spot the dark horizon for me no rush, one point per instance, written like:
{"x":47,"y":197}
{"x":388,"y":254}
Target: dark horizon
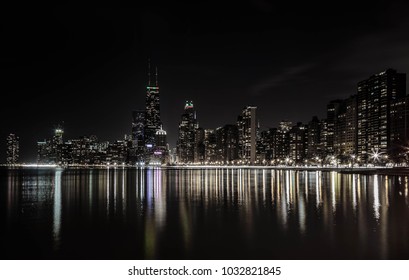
{"x":89,"y":68}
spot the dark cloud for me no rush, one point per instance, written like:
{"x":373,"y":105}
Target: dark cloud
{"x":285,"y":77}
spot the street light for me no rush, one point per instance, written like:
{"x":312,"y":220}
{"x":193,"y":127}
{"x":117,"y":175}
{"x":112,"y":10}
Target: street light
{"x":376,"y":155}
{"x":353,"y":160}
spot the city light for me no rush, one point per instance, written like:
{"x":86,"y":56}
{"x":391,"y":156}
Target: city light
{"x":326,"y":142}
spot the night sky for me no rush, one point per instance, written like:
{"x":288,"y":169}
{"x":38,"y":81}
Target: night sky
{"x":88,"y":67}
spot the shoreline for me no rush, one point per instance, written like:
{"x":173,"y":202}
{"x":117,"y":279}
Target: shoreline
{"x":377,"y":170}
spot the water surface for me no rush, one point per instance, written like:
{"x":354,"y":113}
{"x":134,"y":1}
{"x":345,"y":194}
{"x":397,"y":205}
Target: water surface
{"x":201,"y":214}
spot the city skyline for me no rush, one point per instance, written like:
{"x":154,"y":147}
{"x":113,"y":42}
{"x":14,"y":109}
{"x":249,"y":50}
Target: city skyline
{"x":90,"y":70}
{"x":370,"y":126}
{"x":370,"y":123}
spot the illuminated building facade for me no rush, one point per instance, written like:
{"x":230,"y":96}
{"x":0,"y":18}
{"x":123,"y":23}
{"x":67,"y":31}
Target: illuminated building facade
{"x":399,"y":129}
{"x":228,"y":143}
{"x":210,"y":144}
{"x":187,"y":132}
{"x":297,"y":143}
{"x":13,"y":149}
{"x":161,"y":149}
{"x":247,"y":129}
{"x":200,"y":151}
{"x":332,"y":112}
{"x":281,"y":140}
{"x":152,"y":113}
{"x":137,"y":152}
{"x":313,"y":138}
{"x":350,"y":126}
{"x":375,"y":98}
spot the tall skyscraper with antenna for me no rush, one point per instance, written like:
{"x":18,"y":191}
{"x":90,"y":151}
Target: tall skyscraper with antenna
{"x":152,"y":110}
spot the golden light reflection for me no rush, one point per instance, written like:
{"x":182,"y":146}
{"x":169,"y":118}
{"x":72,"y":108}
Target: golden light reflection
{"x":57,"y":208}
{"x":317,"y":190}
{"x":108,"y":193}
{"x":406,"y":191}
{"x":376,"y":204}
{"x":159,"y":200}
{"x":333,"y":192}
{"x":354,"y":190}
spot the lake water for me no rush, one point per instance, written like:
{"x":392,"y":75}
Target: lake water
{"x":201,"y":214}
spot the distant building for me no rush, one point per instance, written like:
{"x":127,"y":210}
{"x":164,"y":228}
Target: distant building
{"x":340,"y":126}
{"x":161,"y":151}
{"x":200,"y":145}
{"x":281,"y":141}
{"x":228,"y":143}
{"x":210,"y":143}
{"x":187,"y":132}
{"x":117,"y":152}
{"x":264,"y":147}
{"x":268,"y":139}
{"x":332,"y":112}
{"x":56,"y":145}
{"x":314,"y":138}
{"x":399,"y":129}
{"x":375,"y":98}
{"x":13,"y":149}
{"x":137,"y":150}
{"x":351,"y":126}
{"x":297,"y":143}
{"x":247,"y":129}
{"x":152,"y":113}
{"x":50,"y":151}
{"x":323,"y":137}
{"x":43,"y":152}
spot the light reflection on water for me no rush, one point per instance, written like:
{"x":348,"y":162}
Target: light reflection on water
{"x":204,"y":213}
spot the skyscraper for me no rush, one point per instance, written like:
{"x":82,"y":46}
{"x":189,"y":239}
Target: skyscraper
{"x":138,"y":125}
{"x":297,"y":142}
{"x":351,"y":115}
{"x":160,"y":151}
{"x":340,"y":127}
{"x":187,"y":132}
{"x":247,"y":128}
{"x":332,"y":113}
{"x":399,"y":128}
{"x":281,"y":140}
{"x":210,"y":143}
{"x":374,"y":101}
{"x":138,"y":136}
{"x":227,"y":139}
{"x":199,"y":145}
{"x":152,"y":111}
{"x":313,"y":138}
{"x":56,"y":144}
{"x":13,"y":149}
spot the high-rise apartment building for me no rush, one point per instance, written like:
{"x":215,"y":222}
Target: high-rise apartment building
{"x":297,"y":142}
{"x":375,"y":98}
{"x":137,"y":151}
{"x":399,"y":128}
{"x":281,"y":140}
{"x":200,"y":151}
{"x":228,"y":143}
{"x":13,"y":149}
{"x":313,"y":138}
{"x":247,"y":129}
{"x":332,"y":113}
{"x":350,"y":126}
{"x":152,"y":112}
{"x":187,"y":132}
{"x":210,"y":143}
